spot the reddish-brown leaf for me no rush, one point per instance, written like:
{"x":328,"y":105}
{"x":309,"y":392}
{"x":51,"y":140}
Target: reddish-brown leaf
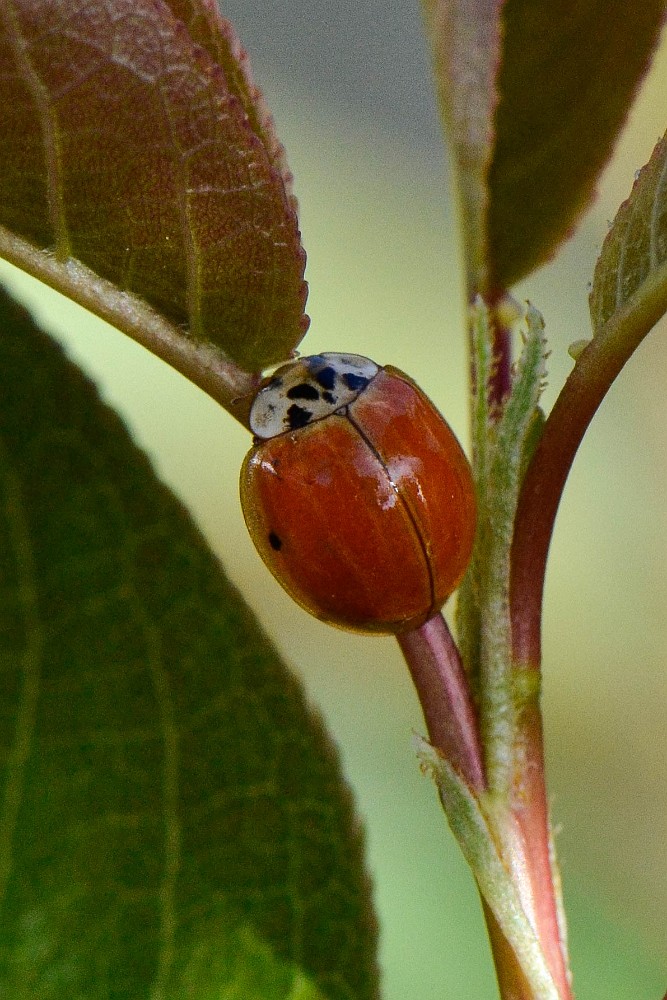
{"x":133,"y":139}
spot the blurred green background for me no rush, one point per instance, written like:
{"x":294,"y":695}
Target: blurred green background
{"x":350,"y":90}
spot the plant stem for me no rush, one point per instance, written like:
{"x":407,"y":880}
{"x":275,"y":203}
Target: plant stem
{"x":203,"y":364}
{"x":586,"y":386}
{"x":442,"y":687}
{"x":512,"y":982}
{"x":595,"y":370}
{"x":530,"y":810}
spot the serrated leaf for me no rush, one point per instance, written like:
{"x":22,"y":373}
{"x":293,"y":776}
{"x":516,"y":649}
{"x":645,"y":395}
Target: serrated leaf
{"x":173,"y":822}
{"x":132,"y":139}
{"x":473,"y":828}
{"x":632,"y":267}
{"x":534,"y":95}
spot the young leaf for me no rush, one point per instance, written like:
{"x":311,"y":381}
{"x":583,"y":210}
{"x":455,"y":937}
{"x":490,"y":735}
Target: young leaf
{"x":628,"y":297}
{"x":137,"y":144}
{"x":173,"y":822}
{"x":631,"y":272}
{"x":535,"y":94}
{"x":472,"y":825}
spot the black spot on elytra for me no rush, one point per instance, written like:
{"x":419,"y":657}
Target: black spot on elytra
{"x":275,"y":541}
{"x":355,"y":383}
{"x":303,"y":391}
{"x":298,"y":416}
{"x":326,"y":377}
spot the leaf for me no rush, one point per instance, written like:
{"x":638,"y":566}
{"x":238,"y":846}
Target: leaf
{"x":569,"y":75}
{"x":138,"y":145}
{"x":535,"y":94}
{"x":173,"y":821}
{"x":473,"y":827}
{"x":631,"y":271}
{"x":628,"y":297}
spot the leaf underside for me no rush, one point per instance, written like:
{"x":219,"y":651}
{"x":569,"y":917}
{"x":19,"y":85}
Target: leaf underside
{"x":173,"y":822}
{"x":568,"y":77}
{"x":534,"y":96}
{"x":133,"y":139}
{"x":633,"y":261}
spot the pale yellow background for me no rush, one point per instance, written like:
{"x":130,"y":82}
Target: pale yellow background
{"x":385,"y":281}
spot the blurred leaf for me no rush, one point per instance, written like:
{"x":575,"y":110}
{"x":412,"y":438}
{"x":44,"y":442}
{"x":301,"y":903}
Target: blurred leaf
{"x":569,"y":75}
{"x":138,"y":145}
{"x":560,"y":84}
{"x":465,"y":36}
{"x":173,"y":822}
{"x":632,"y":267}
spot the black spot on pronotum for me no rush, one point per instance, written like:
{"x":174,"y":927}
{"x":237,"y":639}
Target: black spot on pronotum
{"x":298,"y":416}
{"x":275,"y":541}
{"x":355,"y":383}
{"x":303,"y":391}
{"x":326,"y":377}
{"x":329,"y":397}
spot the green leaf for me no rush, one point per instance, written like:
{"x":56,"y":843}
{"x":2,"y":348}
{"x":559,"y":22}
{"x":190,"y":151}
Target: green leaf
{"x":472,"y":823}
{"x":568,"y":77}
{"x":631,"y":272}
{"x":534,"y":95}
{"x":173,"y":821}
{"x":133,"y":140}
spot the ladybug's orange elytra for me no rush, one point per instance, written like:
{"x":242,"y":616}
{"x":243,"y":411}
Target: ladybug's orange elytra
{"x":357,"y":494}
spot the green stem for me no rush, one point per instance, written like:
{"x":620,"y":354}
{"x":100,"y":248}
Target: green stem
{"x":203,"y":364}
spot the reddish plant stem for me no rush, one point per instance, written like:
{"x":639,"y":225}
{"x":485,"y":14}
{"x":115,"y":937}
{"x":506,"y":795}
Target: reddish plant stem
{"x":528,"y":801}
{"x":531,"y":813}
{"x":588,"y":382}
{"x":500,"y":383}
{"x":444,"y":695}
{"x":442,"y":687}
{"x":512,"y":982}
{"x":584,"y":390}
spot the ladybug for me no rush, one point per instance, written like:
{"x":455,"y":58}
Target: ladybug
{"x":356,"y":493}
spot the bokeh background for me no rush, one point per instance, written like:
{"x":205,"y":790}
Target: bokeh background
{"x":349,"y":85}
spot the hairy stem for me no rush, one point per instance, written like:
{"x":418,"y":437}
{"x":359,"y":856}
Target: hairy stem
{"x":202,"y":364}
{"x":500,"y":383}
